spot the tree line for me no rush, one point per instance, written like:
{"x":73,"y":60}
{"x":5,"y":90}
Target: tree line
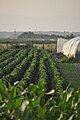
{"x":43,"y":36}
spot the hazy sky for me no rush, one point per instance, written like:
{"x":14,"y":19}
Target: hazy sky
{"x":50,"y":15}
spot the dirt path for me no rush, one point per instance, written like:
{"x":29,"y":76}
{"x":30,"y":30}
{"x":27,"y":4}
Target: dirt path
{"x":36,"y":75}
{"x":51,"y":83}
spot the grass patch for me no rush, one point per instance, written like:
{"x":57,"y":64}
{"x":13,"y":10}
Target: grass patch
{"x":70,"y":74}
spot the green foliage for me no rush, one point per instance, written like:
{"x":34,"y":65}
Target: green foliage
{"x":70,"y":74}
{"x":68,"y":106}
{"x":30,"y":103}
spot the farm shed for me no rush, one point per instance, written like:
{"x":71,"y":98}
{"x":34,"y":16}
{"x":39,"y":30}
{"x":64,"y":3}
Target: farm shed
{"x":72,"y":47}
{"x":60,"y":43}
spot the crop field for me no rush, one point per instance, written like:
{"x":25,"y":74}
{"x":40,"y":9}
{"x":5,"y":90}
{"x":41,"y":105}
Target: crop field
{"x":32,"y":88}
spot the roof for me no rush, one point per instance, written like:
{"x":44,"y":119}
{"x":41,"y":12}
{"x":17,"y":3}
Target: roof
{"x":69,"y":48}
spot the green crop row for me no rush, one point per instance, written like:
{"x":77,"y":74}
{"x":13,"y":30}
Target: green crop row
{"x":26,"y":80}
{"x":19,"y":70}
{"x":8,"y":60}
{"x":8,"y":68}
{"x":2,"y":51}
{"x":56,"y":75}
{"x":8,"y":54}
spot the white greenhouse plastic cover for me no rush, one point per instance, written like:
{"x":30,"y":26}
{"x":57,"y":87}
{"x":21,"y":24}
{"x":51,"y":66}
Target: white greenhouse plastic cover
{"x":60,"y":43}
{"x":70,"y":48}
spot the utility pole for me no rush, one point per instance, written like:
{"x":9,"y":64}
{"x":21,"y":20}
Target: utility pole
{"x":15,"y":33}
{"x":43,"y":44}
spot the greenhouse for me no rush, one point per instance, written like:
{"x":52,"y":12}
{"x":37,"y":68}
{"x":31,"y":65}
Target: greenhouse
{"x":72,"y":48}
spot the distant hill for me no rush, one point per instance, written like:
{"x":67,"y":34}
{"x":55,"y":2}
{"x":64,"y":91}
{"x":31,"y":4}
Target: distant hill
{"x":65,"y":33}
{"x":10,"y":34}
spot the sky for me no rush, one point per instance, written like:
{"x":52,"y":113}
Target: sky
{"x":40,"y":15}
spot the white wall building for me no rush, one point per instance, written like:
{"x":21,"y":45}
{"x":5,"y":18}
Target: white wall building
{"x":60,"y":43}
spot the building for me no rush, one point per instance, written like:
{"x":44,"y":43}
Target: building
{"x":60,"y":43}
